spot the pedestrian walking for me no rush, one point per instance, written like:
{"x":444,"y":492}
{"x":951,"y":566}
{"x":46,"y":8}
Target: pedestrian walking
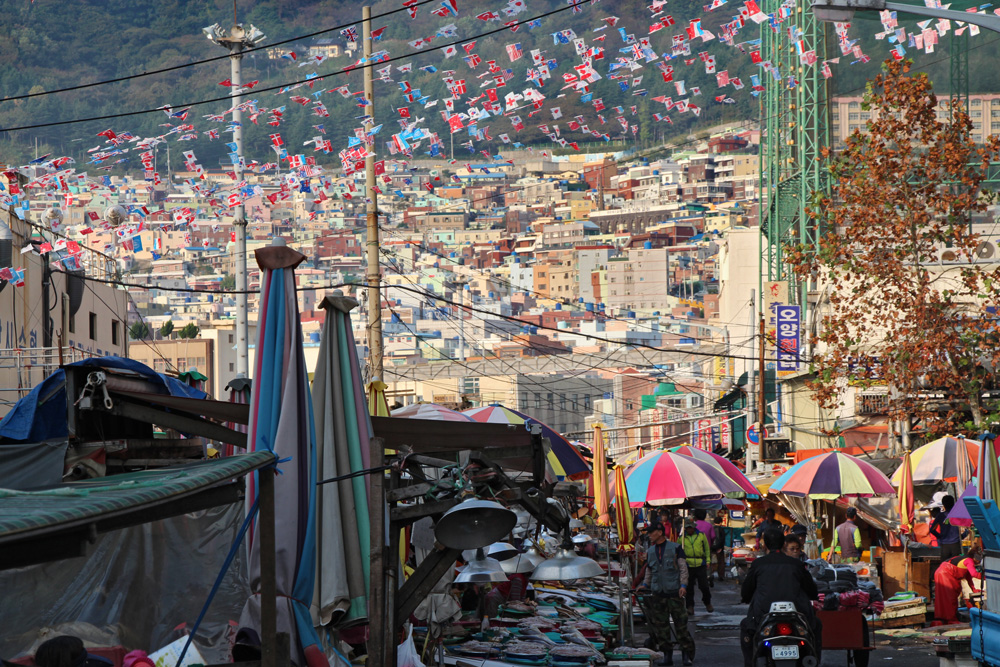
{"x":698,"y":555}
{"x":666,"y":580}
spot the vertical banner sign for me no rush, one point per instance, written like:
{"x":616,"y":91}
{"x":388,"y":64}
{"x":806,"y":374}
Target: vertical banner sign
{"x":704,"y":440}
{"x":725,"y":436}
{"x":788,"y":339}
{"x":775,"y":294}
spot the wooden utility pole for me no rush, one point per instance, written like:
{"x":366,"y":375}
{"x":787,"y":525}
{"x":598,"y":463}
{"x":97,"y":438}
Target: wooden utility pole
{"x":373,"y":274}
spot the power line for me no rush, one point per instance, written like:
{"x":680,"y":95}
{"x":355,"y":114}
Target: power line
{"x":404,"y":56}
{"x":204,"y":61}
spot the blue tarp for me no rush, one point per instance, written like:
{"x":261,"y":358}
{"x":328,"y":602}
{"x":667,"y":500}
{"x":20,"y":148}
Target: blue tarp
{"x":41,"y":415}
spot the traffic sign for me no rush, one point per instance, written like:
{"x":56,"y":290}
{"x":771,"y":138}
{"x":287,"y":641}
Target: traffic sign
{"x":754,"y":436}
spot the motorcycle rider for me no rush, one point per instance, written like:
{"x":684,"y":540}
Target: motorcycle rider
{"x":776,"y":578}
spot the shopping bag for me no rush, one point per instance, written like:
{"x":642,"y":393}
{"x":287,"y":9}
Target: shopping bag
{"x":407,"y":654}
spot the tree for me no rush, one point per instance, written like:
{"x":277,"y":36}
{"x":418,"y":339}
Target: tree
{"x":167,"y":329}
{"x":139,"y":331}
{"x":904,"y":192}
{"x":190,"y":330}
{"x":228,"y":282}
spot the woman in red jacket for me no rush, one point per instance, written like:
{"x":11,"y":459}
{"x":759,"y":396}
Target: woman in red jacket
{"x":948,"y":583}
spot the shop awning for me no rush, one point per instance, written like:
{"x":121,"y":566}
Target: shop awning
{"x":54,"y":523}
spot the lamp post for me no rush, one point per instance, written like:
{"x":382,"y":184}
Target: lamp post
{"x":843,"y":10}
{"x":235,"y":39}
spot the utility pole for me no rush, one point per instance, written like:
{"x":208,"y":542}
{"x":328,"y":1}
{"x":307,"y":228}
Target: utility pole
{"x":373,"y":274}
{"x":236,"y":39}
{"x":762,"y":398}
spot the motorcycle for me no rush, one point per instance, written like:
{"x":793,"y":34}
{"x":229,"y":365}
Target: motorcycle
{"x":785,"y":639}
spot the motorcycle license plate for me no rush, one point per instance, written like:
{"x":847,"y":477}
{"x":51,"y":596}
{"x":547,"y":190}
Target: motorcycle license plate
{"x":784,"y":652}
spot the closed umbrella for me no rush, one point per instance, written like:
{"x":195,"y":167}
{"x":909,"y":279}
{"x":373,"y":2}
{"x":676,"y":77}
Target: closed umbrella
{"x":905,"y":493}
{"x":623,"y":513}
{"x":988,"y":470}
{"x":281,"y":422}
{"x":665,"y":478}
{"x":600,"y":479}
{"x":378,"y":406}
{"x":565,"y":461}
{"x":239,"y":392}
{"x":830,"y":476}
{"x":344,"y":428}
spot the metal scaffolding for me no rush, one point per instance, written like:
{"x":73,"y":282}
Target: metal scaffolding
{"x":795,"y":120}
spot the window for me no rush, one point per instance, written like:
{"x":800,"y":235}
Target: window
{"x":562,"y":401}
{"x":551,"y":400}
{"x":231,"y":368}
{"x":523,"y":400}
{"x":230,"y":338}
{"x":538,"y":401}
{"x":93,"y":326}
{"x":115,"y":332}
{"x":576,"y":400}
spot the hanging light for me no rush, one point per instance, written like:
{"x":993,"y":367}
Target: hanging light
{"x":566,"y":565}
{"x":474,"y":523}
{"x":480,"y":570}
{"x":501,"y":551}
{"x":519,"y":564}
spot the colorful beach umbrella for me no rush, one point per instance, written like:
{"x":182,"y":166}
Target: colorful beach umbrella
{"x":946,"y":459}
{"x":564,"y":459}
{"x":281,"y":422}
{"x":344,"y":429}
{"x":833,"y":475}
{"x":722,"y":463}
{"x":905,"y":493}
{"x":666,"y":478}
{"x":600,"y":477}
{"x":624,"y":519}
{"x":431,"y":411}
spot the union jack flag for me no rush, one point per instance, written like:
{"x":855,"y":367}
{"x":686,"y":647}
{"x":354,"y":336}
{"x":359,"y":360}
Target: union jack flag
{"x":350,"y":33}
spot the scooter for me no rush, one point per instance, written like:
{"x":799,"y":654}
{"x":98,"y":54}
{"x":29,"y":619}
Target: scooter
{"x":785,"y":639}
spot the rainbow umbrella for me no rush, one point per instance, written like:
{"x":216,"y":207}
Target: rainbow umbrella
{"x":722,"y":463}
{"x":905,"y":506}
{"x":600,"y":479}
{"x":430,"y":411}
{"x":666,"y":478}
{"x":565,"y":461}
{"x":833,"y":475}
{"x":946,"y":459}
{"x":623,"y":513}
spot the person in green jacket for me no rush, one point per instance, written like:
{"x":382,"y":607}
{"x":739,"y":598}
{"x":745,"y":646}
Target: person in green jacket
{"x":698,"y":555}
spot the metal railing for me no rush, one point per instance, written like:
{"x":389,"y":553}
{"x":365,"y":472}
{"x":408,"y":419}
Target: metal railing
{"x":23,"y":368}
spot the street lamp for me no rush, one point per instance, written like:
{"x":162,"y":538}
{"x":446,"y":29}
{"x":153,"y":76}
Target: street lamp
{"x":235,"y":39}
{"x":843,"y":10}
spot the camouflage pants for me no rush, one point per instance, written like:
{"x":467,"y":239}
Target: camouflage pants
{"x":660,"y":609}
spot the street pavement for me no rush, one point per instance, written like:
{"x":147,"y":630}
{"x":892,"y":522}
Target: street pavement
{"x":716,"y":637}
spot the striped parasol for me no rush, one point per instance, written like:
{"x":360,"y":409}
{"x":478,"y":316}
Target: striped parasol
{"x":947,"y":459}
{"x":723,"y":464}
{"x":566,"y":462}
{"x":665,"y":478}
{"x":600,"y":478}
{"x":830,"y":476}
{"x":623,"y":513}
{"x":430,"y":411}
{"x":905,"y":493}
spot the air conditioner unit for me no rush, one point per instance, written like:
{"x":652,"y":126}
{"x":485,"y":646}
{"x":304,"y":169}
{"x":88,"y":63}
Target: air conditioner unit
{"x":775,"y":449}
{"x":986,"y":250}
{"x":947,"y":255}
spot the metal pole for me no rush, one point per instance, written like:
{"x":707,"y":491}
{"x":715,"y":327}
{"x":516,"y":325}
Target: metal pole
{"x":268,"y":582}
{"x":373,"y":274}
{"x":762,"y":400}
{"x":239,"y":220}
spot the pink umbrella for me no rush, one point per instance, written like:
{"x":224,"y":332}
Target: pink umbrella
{"x":430,"y":411}
{"x":720,"y":462}
{"x":666,"y":478}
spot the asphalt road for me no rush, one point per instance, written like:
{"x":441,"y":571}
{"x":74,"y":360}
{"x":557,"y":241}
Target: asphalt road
{"x":720,"y":645}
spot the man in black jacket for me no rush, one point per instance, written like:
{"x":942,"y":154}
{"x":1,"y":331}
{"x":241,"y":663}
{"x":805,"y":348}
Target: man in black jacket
{"x":775,"y":578}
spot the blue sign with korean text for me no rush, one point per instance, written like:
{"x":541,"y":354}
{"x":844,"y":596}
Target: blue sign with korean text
{"x":787,"y":332}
